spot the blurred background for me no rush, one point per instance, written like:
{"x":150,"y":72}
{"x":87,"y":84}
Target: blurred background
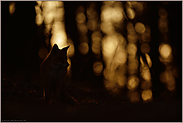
{"x":122,"y":55}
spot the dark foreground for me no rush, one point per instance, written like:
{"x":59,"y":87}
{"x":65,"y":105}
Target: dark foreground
{"x":94,"y":105}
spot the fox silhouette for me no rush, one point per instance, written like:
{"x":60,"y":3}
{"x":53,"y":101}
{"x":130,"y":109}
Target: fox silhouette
{"x":53,"y":73}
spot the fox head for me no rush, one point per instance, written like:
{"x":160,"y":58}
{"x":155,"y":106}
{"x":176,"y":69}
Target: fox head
{"x":59,"y":56}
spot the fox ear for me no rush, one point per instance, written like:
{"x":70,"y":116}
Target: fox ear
{"x":55,"y":48}
{"x":65,"y":49}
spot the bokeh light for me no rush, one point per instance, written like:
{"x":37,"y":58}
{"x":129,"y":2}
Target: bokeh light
{"x":109,"y":45}
{"x":92,"y":25}
{"x":139,"y":27}
{"x":163,"y":23}
{"x":148,"y":60}
{"x":132,"y":38}
{"x":83,"y":48}
{"x":11,"y":8}
{"x":48,"y":18}
{"x":130,"y":13}
{"x":82,"y":28}
{"x":59,"y":38}
{"x":39,"y":19}
{"x":130,"y":28}
{"x":145,"y":73}
{"x":39,"y":3}
{"x":162,"y":13}
{"x":37,"y":9}
{"x":133,"y":82}
{"x":59,"y":14}
{"x":80,"y":18}
{"x":98,"y":68}
{"x":168,"y":78}
{"x":131,"y":49}
{"x":120,"y":56}
{"x":146,"y":95}
{"x":132,"y":65}
{"x":71,"y":50}
{"x":122,"y":69}
{"x":110,"y":14}
{"x":165,"y":50}
{"x":107,"y":27}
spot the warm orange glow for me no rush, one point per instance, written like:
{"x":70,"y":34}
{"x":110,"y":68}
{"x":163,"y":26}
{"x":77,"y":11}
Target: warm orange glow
{"x":96,"y":48}
{"x":145,"y":48}
{"x":148,"y":60}
{"x":69,"y":67}
{"x":117,"y":14}
{"x":59,"y":38}
{"x":109,"y":45}
{"x":145,"y":73}
{"x":162,"y":13}
{"x":82,"y":28}
{"x":48,"y":18}
{"x":131,"y":49}
{"x":38,"y":9}
{"x":130,"y":13}
{"x":59,"y":14}
{"x":130,"y":28}
{"x":133,"y":96}
{"x":71,"y":50}
{"x":139,"y":8}
{"x":168,"y":78}
{"x":80,"y":18}
{"x":132,"y":3}
{"x":49,"y":4}
{"x":139,"y":27}
{"x":47,"y":28}
{"x":43,"y":52}
{"x":106,"y":14}
{"x":121,"y":80}
{"x":146,"y":95}
{"x":96,"y":34}
{"x":91,"y":13}
{"x":133,"y":82}
{"x":83,"y":48}
{"x":113,"y":81}
{"x":110,"y":14}
{"x":11,"y":8}
{"x":122,"y":69}
{"x":120,"y":56}
{"x":132,"y":38}
{"x":98,"y":68}
{"x":107,"y":27}
{"x":132,"y":66}
{"x":39,"y":19}
{"x":165,"y":50}
{"x":167,"y":59}
{"x":92,"y":25}
{"x":39,"y":3}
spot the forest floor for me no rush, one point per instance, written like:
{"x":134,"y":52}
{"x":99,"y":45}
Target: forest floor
{"x":24,"y":102}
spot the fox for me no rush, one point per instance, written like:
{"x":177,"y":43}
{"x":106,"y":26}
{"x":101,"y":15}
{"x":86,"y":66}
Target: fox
{"x":53,"y":74}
